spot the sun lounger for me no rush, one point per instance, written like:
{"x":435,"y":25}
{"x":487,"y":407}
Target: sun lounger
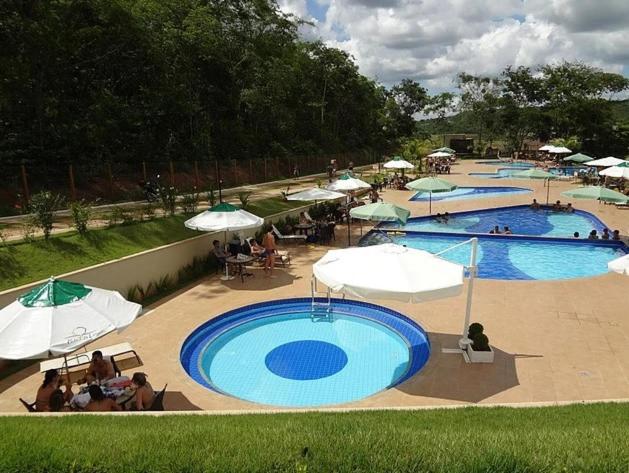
{"x":288,"y":237}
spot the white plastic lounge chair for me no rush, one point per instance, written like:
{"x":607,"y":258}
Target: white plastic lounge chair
{"x":288,"y":237}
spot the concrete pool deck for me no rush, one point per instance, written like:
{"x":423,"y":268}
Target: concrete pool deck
{"x":555,"y":341}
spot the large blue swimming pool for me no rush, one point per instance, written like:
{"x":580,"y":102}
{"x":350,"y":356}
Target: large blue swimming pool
{"x":521,"y":220}
{"x":509,"y":257}
{"x":508,"y":172}
{"x":518,"y":164}
{"x":464,"y":193}
{"x":276,"y":353}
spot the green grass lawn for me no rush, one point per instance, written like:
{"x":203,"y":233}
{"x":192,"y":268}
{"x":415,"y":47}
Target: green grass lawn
{"x":559,"y":439}
{"x":26,"y":262}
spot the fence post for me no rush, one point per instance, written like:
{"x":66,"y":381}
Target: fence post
{"x":110,"y":177}
{"x":144,"y":170}
{"x":72,"y":187}
{"x":265,"y":171}
{"x":172,"y":173}
{"x":196,"y":175}
{"x":27,"y":193}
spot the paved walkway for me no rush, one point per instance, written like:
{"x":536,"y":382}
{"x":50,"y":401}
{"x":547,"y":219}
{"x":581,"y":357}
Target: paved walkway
{"x":555,"y":341}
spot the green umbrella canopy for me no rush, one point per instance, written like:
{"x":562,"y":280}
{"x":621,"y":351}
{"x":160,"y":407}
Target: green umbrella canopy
{"x":579,"y":158}
{"x":380,"y":212}
{"x":224,"y":207}
{"x":431,"y":184}
{"x":596,"y":193}
{"x":534,"y":173}
{"x":54,"y":293}
{"x":445,"y":149}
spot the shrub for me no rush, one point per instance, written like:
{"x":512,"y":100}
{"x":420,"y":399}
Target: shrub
{"x":42,"y":206}
{"x":119,"y":215}
{"x":81,"y":215}
{"x":168,"y":196}
{"x":474,"y":329}
{"x":3,"y":238}
{"x":243,"y":197}
{"x":148,"y":211}
{"x":28,"y":231}
{"x":190,"y":203}
{"x":480,"y":342}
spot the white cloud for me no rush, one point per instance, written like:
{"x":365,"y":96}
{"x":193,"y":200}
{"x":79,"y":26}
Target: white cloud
{"x":433,"y":40}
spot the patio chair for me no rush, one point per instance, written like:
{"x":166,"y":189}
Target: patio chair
{"x":283,"y":256}
{"x":287,"y":238}
{"x":158,"y":400}
{"x":30,"y":407}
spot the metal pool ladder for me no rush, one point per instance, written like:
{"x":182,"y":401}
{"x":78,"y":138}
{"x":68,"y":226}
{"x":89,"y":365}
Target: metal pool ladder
{"x":320,"y":310}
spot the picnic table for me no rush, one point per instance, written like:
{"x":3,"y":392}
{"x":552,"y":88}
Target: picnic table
{"x":240,"y":262}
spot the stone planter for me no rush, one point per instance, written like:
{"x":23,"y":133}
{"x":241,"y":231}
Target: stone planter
{"x":480,"y":356}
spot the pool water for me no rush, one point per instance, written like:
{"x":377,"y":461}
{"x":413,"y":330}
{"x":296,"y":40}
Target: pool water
{"x":521,"y":165}
{"x":465,"y":193}
{"x":504,"y":257}
{"x":521,"y":219}
{"x":508,"y":172}
{"x":275,"y":353}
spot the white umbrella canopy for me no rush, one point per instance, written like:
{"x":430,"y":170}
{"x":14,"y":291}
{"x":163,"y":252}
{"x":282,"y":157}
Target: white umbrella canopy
{"x":398,"y":163}
{"x":316,"y":193}
{"x":60,"y":317}
{"x":224,"y":217}
{"x":617,"y":171}
{"x":559,"y":150}
{"x":389,"y":271}
{"x":347,"y":183}
{"x":546,"y":148}
{"x":619,"y":265}
{"x":605,"y":162}
{"x":440,"y":154}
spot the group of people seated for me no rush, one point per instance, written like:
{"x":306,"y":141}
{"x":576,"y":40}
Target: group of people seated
{"x":267,"y":250}
{"x":439,"y":167}
{"x":557,"y":206}
{"x":136,"y":393}
{"x":605,"y":235}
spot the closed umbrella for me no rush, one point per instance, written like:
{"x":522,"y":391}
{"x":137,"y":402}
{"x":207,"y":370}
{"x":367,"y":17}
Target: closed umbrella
{"x":314,"y":194}
{"x":579,"y":158}
{"x":535,"y":173}
{"x":622,"y":170}
{"x":605,"y":162}
{"x":596,"y":193}
{"x":224,"y":217}
{"x":431,"y":184}
{"x":59,"y":317}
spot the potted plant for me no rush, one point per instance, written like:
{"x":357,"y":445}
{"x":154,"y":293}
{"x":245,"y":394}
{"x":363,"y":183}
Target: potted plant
{"x":479,"y":351}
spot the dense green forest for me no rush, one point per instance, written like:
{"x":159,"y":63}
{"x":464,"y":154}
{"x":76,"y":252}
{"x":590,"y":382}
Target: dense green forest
{"x":132,"y":80}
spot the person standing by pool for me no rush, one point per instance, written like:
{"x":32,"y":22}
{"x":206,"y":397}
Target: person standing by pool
{"x":268,"y":242}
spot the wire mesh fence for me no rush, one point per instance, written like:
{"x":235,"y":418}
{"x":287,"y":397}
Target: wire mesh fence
{"x":110,"y":182}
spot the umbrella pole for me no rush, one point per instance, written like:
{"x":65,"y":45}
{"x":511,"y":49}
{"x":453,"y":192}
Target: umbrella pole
{"x":547,"y":190}
{"x":349,"y":228}
{"x":430,"y":203}
{"x":464,"y":342}
{"x":227,"y":277}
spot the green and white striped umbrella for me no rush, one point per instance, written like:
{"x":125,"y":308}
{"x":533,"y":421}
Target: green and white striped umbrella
{"x":347,"y":182}
{"x":59,"y":317}
{"x":596,"y":193}
{"x":579,"y":158}
{"x":224,"y":217}
{"x":380,"y":212}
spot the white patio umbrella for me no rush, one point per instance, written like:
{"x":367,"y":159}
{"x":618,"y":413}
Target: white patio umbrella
{"x":347,"y":183}
{"x":391,"y":271}
{"x":398,"y":163}
{"x":314,"y":194}
{"x":224,"y":217}
{"x":439,"y":154}
{"x":559,"y":150}
{"x":60,"y":317}
{"x":619,"y":265}
{"x":605,"y":162}
{"x":622,"y":170}
{"x":546,"y":148}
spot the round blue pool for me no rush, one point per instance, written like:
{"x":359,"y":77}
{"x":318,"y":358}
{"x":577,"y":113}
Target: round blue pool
{"x":464,"y":193}
{"x":521,"y":219}
{"x":277,"y":353}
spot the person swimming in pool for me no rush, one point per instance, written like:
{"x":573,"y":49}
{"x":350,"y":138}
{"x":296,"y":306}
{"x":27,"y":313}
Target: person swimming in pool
{"x":569,"y":208}
{"x":593,"y":235}
{"x":446,"y":217}
{"x":557,"y":205}
{"x":507,"y":230}
{"x":576,"y":235}
{"x":535,"y":205}
{"x":605,"y":235}
{"x":616,"y":235}
{"x":495,"y":231}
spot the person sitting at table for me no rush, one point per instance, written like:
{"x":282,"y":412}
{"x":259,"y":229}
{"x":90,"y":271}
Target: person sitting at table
{"x":535,"y":205}
{"x":219,"y":252}
{"x":99,"y":369}
{"x":100,"y":403}
{"x":144,"y":393}
{"x":51,"y":383}
{"x":58,"y":402}
{"x":256,"y":249}
{"x":616,"y":235}
{"x":303,"y":220}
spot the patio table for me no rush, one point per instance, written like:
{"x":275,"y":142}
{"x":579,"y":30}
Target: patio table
{"x":241,"y":262}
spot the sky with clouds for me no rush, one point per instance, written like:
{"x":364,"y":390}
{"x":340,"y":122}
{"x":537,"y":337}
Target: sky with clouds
{"x":431,"y":41}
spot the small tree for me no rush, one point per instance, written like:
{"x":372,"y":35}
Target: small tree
{"x":81,"y":215}
{"x":243,"y":197}
{"x":169,"y":199}
{"x":42,"y":206}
